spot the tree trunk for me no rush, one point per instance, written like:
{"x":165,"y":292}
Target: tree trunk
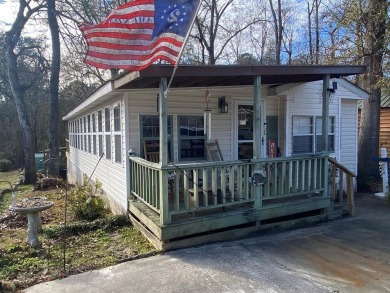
{"x":18,"y":93}
{"x":53,"y":169}
{"x":370,"y":119}
{"x":309,"y":12}
{"x":278,"y":30}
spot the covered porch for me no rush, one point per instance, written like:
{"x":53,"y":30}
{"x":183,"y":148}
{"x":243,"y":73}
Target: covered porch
{"x":185,"y":203}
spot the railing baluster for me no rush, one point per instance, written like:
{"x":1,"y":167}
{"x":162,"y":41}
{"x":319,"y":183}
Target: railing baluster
{"x":275,"y":179}
{"x":246,"y":182}
{"x":301,"y":175}
{"x":205,"y":180}
{"x":196,"y":188}
{"x":214,"y":186}
{"x":177,"y":190}
{"x":269,"y":178}
{"x":222,"y":179}
{"x":231,"y":183}
{"x":295,"y":179}
{"x":341,"y":183}
{"x":186,"y":187}
{"x":307,"y":175}
{"x":333,"y":182}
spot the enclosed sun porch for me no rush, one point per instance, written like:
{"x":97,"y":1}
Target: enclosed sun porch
{"x":185,"y":202}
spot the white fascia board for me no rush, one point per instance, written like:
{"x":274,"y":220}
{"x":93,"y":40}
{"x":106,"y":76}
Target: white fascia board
{"x":91,"y":100}
{"x":362,"y":94}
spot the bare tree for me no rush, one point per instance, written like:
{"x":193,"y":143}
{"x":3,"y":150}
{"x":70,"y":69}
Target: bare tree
{"x":13,"y":52}
{"x":217,"y":24}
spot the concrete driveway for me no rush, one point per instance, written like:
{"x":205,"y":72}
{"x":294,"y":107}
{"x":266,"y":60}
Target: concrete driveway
{"x":348,"y":255}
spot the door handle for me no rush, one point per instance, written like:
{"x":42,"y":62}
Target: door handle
{"x":262,"y":141}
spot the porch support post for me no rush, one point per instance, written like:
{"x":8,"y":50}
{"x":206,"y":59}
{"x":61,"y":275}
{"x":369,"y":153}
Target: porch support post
{"x":325,"y":128}
{"x":257,"y":135}
{"x":163,"y":175}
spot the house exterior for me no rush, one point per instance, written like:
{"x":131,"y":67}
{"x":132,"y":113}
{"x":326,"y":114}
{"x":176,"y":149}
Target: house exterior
{"x":268,"y":121}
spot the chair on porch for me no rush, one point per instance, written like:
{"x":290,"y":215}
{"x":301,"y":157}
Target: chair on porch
{"x":213,"y":151}
{"x":152,"y":151}
{"x":213,"y":154}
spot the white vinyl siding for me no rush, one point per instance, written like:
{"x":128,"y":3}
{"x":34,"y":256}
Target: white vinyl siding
{"x":306,"y":100}
{"x":348,"y":148}
{"x":111,"y":173}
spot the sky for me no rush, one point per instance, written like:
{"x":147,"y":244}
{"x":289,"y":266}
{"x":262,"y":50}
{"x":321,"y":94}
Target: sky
{"x":8,"y":10}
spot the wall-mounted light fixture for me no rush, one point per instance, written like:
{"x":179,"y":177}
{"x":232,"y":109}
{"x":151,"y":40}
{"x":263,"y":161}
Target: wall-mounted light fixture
{"x":333,"y":87}
{"x":223,"y":105}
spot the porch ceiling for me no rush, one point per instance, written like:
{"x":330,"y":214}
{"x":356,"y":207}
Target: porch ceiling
{"x":231,"y":75}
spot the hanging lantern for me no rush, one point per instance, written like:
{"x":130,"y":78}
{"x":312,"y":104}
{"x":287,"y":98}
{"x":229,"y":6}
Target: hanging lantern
{"x":242,"y":116}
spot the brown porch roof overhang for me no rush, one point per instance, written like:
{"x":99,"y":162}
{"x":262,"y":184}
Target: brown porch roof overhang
{"x":231,"y":75}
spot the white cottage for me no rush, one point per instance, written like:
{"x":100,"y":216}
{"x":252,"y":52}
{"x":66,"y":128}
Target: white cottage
{"x":268,"y":122}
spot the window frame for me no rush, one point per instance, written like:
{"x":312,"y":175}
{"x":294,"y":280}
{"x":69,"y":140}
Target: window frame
{"x":117,"y":133}
{"x":181,"y":137}
{"x":156,"y":136}
{"x":107,"y":133}
{"x":315,"y":134}
{"x":100,"y":133}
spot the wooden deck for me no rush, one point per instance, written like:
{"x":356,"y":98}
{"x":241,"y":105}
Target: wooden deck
{"x":182,"y":213}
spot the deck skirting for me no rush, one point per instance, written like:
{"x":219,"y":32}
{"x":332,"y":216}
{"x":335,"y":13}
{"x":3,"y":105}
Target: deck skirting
{"x":224,"y":224}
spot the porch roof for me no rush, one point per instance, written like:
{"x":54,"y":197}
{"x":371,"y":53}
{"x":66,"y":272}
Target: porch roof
{"x":231,"y":75}
{"x":193,"y":76}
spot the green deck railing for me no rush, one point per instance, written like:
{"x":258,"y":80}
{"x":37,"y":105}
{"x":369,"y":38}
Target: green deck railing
{"x":189,"y":187}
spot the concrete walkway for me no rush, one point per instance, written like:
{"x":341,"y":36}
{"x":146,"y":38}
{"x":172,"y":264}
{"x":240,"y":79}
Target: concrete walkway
{"x":348,"y":255}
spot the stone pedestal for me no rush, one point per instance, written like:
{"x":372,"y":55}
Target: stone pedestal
{"x":32,"y":208}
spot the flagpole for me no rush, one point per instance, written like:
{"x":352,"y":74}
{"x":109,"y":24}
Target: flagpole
{"x":181,"y":49}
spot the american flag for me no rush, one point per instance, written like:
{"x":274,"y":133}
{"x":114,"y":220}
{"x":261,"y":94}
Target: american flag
{"x":140,"y":32}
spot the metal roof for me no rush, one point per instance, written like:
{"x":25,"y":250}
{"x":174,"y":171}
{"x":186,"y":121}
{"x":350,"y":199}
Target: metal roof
{"x":232,"y":75}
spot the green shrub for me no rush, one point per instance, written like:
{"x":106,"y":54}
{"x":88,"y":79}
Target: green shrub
{"x":5,"y":165}
{"x":85,"y":200}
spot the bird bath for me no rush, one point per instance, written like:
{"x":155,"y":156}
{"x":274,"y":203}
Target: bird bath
{"x":32,"y":208}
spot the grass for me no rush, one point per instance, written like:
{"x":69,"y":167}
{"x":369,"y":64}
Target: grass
{"x":5,"y":177}
{"x":86,"y":245}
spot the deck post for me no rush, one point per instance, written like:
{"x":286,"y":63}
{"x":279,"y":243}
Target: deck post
{"x":163,"y":174}
{"x":325,"y":131}
{"x":257,"y":135}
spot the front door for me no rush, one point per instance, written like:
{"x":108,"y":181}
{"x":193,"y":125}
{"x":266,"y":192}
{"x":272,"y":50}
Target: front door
{"x":244,"y":130}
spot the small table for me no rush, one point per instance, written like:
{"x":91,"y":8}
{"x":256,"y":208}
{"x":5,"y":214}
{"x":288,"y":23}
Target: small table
{"x":32,"y":208}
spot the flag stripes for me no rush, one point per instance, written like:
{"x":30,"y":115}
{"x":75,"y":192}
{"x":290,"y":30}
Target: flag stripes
{"x":135,"y":35}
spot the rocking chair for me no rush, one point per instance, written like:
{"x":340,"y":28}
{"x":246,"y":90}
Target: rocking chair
{"x":152,"y":151}
{"x":213,"y":151}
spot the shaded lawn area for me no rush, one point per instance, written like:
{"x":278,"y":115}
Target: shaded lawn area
{"x":88,"y":245}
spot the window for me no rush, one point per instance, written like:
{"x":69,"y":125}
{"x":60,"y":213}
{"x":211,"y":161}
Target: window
{"x":89,"y":134}
{"x":82,"y":134}
{"x":77,"y":134}
{"x":191,"y":138}
{"x":307,"y":134}
{"x":150,"y":131}
{"x":94,"y":147}
{"x":117,"y":134}
{"x":100,"y":131}
{"x":85,"y":134}
{"x":107,"y":132}
{"x":331,"y":134}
